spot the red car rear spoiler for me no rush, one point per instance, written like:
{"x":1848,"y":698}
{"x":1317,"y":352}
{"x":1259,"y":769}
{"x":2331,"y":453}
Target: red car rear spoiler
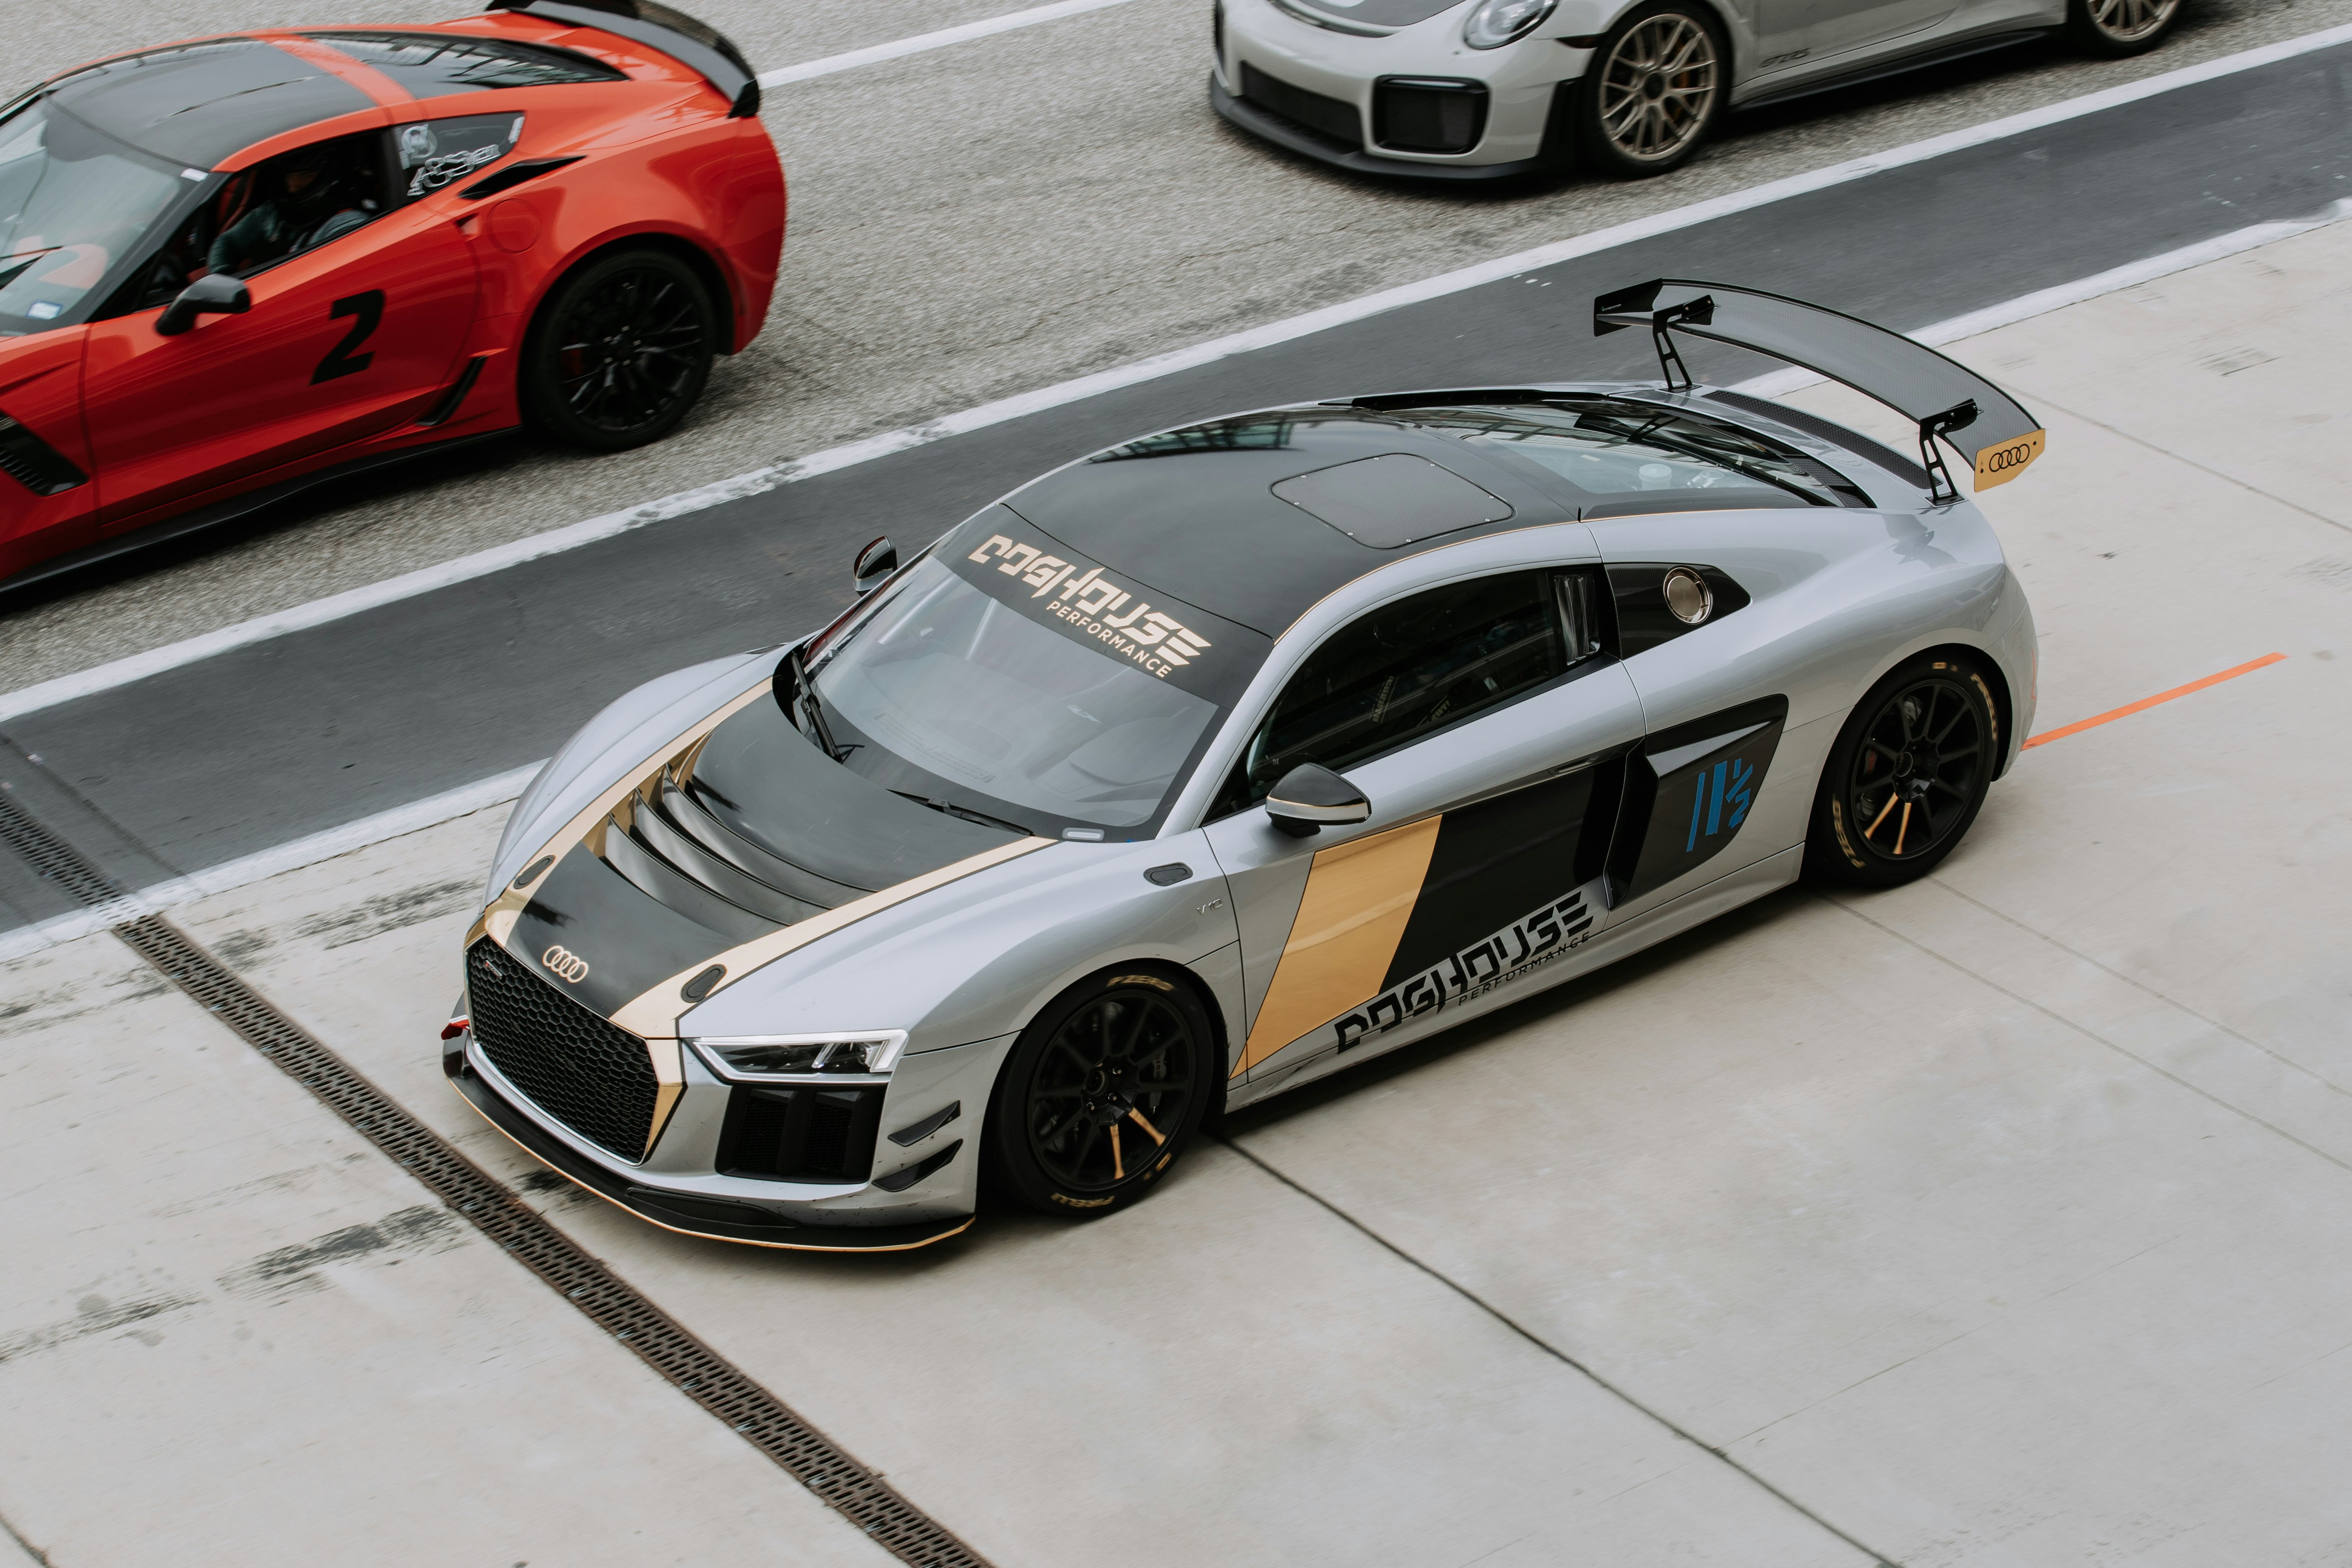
{"x":1979,"y":420}
{"x":695,"y":45}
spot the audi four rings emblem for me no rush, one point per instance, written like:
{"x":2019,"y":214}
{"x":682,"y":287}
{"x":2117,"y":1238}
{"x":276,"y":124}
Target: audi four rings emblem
{"x":567,"y":965}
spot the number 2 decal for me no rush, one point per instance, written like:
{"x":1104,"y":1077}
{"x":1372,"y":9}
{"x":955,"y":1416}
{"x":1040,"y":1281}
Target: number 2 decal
{"x":339,"y":359}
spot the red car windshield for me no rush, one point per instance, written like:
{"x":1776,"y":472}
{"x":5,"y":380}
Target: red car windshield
{"x":73,"y":201}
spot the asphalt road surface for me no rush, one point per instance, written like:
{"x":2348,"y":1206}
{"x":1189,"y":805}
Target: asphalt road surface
{"x":261,"y":745}
{"x":1998,"y":1221}
{"x":973,"y":221}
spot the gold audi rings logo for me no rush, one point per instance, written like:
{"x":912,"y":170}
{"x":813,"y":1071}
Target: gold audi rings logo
{"x":1999,"y":465}
{"x":565,"y":964}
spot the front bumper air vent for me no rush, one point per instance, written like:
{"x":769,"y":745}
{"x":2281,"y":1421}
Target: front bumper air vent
{"x":592,"y":1076}
{"x":1426,"y":114}
{"x":801,"y":1133}
{"x":1326,"y":117}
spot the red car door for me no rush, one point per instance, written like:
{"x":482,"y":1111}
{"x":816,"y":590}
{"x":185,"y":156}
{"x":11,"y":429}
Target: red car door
{"x":45,"y":496}
{"x":347,"y":339}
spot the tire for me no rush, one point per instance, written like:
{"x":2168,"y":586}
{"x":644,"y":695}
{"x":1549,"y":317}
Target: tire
{"x":1102,"y":1092}
{"x":1656,"y":86}
{"x":2114,"y":29}
{"x":620,"y":352}
{"x":1907,"y":774}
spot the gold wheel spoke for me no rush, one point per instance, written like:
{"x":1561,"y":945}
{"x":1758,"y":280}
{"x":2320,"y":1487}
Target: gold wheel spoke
{"x":1137,"y":1116}
{"x":1119,"y":1166}
{"x":1901,"y":830}
{"x":1881,"y":815}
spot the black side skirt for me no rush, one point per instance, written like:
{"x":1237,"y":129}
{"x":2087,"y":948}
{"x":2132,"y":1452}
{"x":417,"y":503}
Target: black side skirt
{"x":235,"y":507}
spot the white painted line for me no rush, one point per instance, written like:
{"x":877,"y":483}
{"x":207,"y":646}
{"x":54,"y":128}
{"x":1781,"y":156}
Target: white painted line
{"x":172,"y":655}
{"x":2041,"y":303}
{"x":490,"y":792}
{"x":245,"y":870}
{"x":939,"y":41}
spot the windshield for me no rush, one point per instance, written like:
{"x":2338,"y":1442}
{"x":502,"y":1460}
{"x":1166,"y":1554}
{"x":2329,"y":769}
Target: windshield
{"x":1626,"y":456}
{"x":73,"y":201}
{"x":949,"y":695}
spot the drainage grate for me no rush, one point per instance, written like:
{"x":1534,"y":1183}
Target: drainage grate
{"x":692,"y":1367}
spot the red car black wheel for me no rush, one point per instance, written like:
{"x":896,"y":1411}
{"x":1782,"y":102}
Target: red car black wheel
{"x":620,"y":352}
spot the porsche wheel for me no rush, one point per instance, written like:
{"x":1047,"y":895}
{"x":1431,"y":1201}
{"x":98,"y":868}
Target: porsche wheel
{"x":1101,"y":1093}
{"x":1907,"y":776}
{"x":620,"y":352}
{"x":2115,"y":28}
{"x":1655,"y":88}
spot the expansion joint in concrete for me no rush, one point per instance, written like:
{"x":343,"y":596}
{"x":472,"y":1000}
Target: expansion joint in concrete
{"x":1682,"y":1433}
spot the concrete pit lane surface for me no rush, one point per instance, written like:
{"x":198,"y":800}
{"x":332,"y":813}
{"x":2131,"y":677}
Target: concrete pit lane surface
{"x":1998,"y":1220}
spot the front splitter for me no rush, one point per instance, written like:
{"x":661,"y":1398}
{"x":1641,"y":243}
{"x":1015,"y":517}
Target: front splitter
{"x":668,"y":1210}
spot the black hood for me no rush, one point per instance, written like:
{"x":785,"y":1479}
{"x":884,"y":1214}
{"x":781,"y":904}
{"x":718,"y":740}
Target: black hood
{"x":756,"y":830}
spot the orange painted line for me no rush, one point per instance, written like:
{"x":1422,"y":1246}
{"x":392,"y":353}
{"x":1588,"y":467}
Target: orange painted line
{"x":2129,"y":708}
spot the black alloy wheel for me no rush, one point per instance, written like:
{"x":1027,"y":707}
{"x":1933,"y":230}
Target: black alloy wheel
{"x":620,"y":352}
{"x":2117,"y":28}
{"x":1907,"y":774}
{"x":1102,"y":1092}
{"x":1653,"y":90}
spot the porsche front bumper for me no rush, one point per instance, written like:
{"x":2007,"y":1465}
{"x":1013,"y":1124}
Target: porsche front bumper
{"x":1367,"y":104}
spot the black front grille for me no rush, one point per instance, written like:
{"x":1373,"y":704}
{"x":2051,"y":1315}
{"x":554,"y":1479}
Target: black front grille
{"x":1414,"y":114}
{"x":1326,"y":116}
{"x":801,"y":1133}
{"x":594,"y":1077}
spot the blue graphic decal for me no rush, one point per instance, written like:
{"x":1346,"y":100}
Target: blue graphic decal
{"x":1728,"y":781}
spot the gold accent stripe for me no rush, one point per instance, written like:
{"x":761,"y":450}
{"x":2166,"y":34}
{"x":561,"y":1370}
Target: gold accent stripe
{"x":669,"y":1080}
{"x":500,"y":916}
{"x":1352,"y":915}
{"x":655,"y":1013}
{"x":703,"y":1235}
{"x":1999,"y":465}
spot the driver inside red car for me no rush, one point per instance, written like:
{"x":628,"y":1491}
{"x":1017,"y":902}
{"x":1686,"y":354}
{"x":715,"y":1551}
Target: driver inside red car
{"x":316,"y":194}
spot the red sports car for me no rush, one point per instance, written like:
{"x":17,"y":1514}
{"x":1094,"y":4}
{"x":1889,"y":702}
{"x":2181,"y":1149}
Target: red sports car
{"x":233,"y":267}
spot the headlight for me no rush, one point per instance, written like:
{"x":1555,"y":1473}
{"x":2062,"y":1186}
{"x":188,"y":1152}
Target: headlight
{"x":769,"y":1056}
{"x":1495,"y":23}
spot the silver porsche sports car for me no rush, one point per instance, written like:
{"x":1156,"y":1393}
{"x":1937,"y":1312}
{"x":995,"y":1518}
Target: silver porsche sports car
{"x":1208,"y":765}
{"x":1482,"y":90}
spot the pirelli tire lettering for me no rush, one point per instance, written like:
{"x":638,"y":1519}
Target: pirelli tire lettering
{"x":1096,"y":605}
{"x":1517,"y":949}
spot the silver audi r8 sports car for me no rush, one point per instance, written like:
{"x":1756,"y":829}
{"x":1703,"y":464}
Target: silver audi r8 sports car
{"x":1470,"y":89}
{"x":1208,"y":765}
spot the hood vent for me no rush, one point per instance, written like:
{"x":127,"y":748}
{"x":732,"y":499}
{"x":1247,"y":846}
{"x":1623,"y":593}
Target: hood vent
{"x":666,"y":842}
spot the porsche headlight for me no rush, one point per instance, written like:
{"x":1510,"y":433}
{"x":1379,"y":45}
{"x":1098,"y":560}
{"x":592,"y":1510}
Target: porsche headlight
{"x":1494,"y":22}
{"x":757,"y":1058}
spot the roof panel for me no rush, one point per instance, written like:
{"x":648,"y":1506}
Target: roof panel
{"x":197,"y":103}
{"x":1193,"y":512}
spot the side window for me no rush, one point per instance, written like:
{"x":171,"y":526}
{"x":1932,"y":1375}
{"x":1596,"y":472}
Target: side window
{"x":295,"y":201}
{"x":1415,"y":667}
{"x":438,"y":152}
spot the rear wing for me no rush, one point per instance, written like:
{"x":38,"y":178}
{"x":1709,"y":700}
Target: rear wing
{"x":697,"y":46}
{"x":1976,"y":418}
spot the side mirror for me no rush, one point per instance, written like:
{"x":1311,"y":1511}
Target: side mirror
{"x":1310,"y":797}
{"x":215,"y":294}
{"x":875,"y":562}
